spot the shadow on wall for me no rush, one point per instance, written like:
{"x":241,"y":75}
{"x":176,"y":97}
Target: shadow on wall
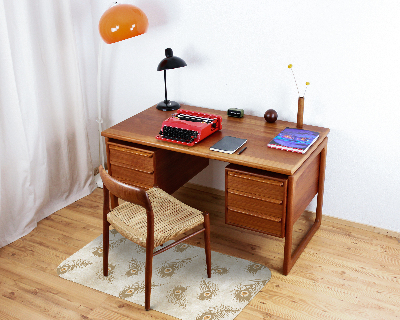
{"x":157,"y":14}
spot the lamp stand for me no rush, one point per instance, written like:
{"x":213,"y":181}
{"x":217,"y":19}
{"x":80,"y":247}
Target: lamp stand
{"x":167,"y":105}
{"x":99,"y":119}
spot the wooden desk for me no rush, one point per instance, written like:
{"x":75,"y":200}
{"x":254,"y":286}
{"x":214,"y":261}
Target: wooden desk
{"x":137,"y":157}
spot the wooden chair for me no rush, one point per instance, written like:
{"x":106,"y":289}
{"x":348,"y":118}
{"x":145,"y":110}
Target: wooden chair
{"x":149,"y":219}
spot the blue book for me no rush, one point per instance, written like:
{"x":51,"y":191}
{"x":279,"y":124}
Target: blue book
{"x":294,"y":140}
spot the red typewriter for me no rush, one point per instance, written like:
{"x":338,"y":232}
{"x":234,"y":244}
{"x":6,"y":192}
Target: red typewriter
{"x":189,"y":127}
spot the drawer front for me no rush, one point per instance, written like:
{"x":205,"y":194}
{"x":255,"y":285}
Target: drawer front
{"x":248,"y":221}
{"x":267,"y":208}
{"x":260,"y":186}
{"x":133,"y":177}
{"x":255,"y":200}
{"x":130,"y":157}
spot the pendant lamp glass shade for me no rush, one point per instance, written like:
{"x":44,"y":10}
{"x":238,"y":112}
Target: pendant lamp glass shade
{"x":122,"y":21}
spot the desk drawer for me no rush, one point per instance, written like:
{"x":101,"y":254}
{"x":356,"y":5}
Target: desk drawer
{"x":262,"y":186}
{"x":250,"y":220}
{"x":133,"y":177}
{"x":131,"y":157}
{"x":267,"y":208}
{"x":255,"y":199}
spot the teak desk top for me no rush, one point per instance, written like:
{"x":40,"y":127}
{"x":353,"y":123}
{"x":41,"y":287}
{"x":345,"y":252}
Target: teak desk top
{"x":144,"y":126}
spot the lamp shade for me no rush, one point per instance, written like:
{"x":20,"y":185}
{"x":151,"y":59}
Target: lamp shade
{"x":122,"y":21}
{"x":170,"y":61}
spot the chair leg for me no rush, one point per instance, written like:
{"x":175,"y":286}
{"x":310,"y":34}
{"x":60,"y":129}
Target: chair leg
{"x":106,"y":236}
{"x":207,"y":242}
{"x":148,"y":274}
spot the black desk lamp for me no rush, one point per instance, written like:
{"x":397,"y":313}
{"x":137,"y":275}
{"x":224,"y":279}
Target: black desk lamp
{"x":169,"y":62}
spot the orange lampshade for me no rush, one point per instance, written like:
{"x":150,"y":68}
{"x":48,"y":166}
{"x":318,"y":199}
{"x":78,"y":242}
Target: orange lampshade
{"x":122,"y":21}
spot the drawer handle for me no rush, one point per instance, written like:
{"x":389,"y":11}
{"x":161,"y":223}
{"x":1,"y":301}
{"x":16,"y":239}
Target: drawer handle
{"x":275,"y":183}
{"x":140,"y":153}
{"x":257,"y":198}
{"x":255,"y":215}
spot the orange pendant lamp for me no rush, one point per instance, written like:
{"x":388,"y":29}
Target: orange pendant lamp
{"x":119,"y":22}
{"x":122,"y":21}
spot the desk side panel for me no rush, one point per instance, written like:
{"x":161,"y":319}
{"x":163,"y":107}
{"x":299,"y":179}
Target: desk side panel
{"x":306,"y":182}
{"x":306,"y":188}
{"x":174,"y":169}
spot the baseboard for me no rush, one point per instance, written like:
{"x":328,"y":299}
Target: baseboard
{"x":362,"y":226}
{"x":344,"y":222}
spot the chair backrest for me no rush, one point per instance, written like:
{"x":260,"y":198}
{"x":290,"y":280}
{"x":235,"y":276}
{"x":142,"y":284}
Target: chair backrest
{"x":124,"y":191}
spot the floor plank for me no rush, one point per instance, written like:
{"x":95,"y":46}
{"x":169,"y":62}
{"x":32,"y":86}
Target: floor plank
{"x":346,"y":272}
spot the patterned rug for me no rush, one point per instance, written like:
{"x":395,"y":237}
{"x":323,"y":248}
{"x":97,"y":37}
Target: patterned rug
{"x":180,"y":286}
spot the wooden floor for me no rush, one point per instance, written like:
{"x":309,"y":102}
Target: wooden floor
{"x":344,"y":273}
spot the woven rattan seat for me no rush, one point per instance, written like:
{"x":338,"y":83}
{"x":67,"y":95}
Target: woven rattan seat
{"x":171,"y":218}
{"x":149,"y":219}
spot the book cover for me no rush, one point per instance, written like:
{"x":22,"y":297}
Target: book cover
{"x":294,"y":140}
{"x":228,"y":144}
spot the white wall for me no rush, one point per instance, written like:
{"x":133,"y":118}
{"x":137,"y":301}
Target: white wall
{"x":237,"y":54}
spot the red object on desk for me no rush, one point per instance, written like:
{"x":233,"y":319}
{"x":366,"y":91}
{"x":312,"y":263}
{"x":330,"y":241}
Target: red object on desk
{"x":189,"y":127}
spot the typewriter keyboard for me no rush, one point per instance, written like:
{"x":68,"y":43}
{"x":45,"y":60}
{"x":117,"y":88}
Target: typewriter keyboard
{"x":178,"y":134}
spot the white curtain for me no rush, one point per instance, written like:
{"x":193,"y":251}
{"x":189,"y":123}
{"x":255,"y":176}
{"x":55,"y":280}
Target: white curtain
{"x":45,"y":159}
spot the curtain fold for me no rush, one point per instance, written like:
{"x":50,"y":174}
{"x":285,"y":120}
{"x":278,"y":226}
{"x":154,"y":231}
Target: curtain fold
{"x":45,"y":159}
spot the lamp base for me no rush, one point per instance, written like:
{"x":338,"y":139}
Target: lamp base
{"x":168,"y":105}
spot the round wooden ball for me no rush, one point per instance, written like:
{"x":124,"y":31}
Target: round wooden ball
{"x":270,"y":115}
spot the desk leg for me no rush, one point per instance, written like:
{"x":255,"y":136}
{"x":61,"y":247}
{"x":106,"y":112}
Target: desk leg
{"x":289,"y":259}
